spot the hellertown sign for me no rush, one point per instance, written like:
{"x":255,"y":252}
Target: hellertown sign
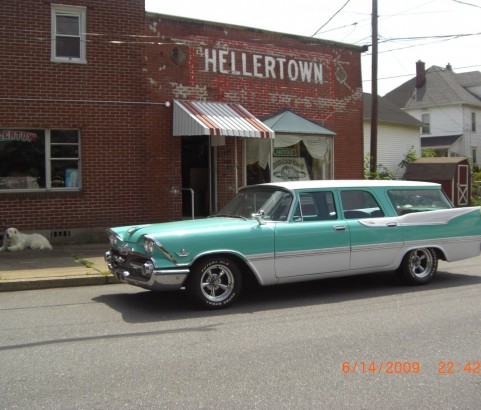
{"x":261,"y":66}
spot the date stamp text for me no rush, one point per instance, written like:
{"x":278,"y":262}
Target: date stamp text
{"x":409,"y":367}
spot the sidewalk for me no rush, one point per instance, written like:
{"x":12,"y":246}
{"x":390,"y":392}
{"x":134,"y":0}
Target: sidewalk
{"x":65,"y":265}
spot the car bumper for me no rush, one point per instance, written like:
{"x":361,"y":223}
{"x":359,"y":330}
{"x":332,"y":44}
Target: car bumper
{"x":147,"y":278}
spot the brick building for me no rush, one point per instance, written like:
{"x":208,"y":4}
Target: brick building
{"x":110,"y":115}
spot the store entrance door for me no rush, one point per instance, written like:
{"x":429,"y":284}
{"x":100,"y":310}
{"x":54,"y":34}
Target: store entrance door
{"x":198,"y":188}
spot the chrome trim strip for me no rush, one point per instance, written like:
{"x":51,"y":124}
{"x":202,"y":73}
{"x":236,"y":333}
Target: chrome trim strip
{"x":312,"y":252}
{"x":161,"y":248}
{"x":389,"y":222}
{"x":166,"y":253}
{"x":259,"y":257}
{"x":171,"y":272}
{"x":377,"y":246}
{"x":442,"y":241}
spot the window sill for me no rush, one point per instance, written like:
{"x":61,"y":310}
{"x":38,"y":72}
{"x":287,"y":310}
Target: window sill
{"x":67,"y":61}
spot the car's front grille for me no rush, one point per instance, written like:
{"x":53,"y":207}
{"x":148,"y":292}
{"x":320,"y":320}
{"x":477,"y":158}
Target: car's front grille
{"x":131,"y":262}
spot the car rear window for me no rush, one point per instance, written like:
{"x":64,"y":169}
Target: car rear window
{"x":407,"y":201}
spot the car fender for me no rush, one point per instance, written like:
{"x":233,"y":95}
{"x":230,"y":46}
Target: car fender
{"x":260,"y":265}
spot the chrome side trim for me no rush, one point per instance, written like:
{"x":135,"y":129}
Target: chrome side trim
{"x":171,"y":272}
{"x":312,"y":252}
{"x":161,"y":247}
{"x":259,"y":257}
{"x":441,"y":241}
{"x":377,"y":247}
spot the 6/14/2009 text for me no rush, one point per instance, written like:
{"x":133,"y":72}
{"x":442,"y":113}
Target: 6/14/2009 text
{"x":409,"y":367}
{"x":381,"y":367}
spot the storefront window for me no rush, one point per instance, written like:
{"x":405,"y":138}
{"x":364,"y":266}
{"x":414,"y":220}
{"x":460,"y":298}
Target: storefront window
{"x":294,"y":158}
{"x":39,"y":159}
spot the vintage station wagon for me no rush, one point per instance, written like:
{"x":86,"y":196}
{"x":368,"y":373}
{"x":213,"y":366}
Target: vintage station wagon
{"x":297,"y":231}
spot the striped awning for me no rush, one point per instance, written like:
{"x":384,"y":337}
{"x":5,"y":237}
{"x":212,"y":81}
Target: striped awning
{"x":215,"y":118}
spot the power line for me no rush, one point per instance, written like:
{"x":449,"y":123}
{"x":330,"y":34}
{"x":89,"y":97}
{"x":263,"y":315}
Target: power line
{"x":442,"y":36}
{"x":413,"y":74}
{"x":467,"y":4}
{"x":438,"y":38}
{"x":334,"y":15}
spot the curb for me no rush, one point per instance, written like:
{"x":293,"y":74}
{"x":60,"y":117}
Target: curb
{"x":33,"y":284}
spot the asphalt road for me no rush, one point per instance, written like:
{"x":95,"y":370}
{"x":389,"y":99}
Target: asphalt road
{"x":359,"y":343}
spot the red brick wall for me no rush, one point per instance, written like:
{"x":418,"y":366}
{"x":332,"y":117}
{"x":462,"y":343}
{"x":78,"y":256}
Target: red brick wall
{"x":130,"y":162}
{"x":102,"y":98}
{"x":335,"y":104}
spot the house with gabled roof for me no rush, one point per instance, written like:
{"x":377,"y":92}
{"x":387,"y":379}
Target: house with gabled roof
{"x":448,"y":104}
{"x":397,"y":134}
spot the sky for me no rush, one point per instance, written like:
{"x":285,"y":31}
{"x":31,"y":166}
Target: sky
{"x":438,"y":32}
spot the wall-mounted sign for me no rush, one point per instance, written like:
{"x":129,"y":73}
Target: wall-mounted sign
{"x":289,"y":169}
{"x":261,"y":66}
{"x":15,"y":135}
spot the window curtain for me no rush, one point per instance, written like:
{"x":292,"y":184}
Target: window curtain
{"x":260,"y":150}
{"x":316,"y":146}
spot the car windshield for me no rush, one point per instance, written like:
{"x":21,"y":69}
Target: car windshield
{"x":273,"y":203}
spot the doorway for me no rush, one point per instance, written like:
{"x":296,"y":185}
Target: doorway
{"x":197,"y":179}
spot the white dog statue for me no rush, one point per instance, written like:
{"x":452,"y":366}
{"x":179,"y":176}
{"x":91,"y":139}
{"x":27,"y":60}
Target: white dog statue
{"x":14,"y":240}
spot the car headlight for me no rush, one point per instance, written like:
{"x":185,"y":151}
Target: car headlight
{"x":113,"y":240}
{"x":149,"y":246}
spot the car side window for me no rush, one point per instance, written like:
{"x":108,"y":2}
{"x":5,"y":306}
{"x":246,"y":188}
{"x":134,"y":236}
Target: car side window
{"x":358,"y":204}
{"x":315,"y":206}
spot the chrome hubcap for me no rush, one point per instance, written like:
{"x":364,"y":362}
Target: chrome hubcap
{"x":217,"y":283}
{"x":421,"y":262}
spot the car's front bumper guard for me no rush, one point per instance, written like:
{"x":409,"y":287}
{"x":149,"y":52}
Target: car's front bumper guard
{"x":146,"y":276}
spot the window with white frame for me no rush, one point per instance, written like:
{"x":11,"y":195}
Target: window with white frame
{"x":473,"y":122}
{"x":32,"y":159}
{"x":426,"y":124}
{"x":68,"y":34}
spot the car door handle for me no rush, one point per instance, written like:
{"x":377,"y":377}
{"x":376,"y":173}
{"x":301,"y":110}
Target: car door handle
{"x":339,"y":227}
{"x":391,"y":224}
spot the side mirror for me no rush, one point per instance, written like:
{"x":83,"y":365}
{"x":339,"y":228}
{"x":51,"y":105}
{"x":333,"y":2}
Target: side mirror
{"x":259,"y":217}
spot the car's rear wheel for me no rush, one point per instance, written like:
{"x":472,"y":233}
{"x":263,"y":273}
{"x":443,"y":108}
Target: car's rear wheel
{"x":418,"y":266}
{"x":215,"y":282}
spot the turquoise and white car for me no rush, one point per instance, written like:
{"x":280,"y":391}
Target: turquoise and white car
{"x":297,"y":231}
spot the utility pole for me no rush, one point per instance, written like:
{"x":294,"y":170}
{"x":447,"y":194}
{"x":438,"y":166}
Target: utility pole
{"x":374,"y":99}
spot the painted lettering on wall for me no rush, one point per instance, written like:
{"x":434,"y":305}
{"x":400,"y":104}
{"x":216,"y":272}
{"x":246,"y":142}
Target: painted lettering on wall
{"x":261,"y":66}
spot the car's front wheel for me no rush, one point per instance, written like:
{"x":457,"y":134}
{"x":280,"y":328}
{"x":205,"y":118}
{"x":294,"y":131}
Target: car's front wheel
{"x":418,"y":266}
{"x":215,"y":282}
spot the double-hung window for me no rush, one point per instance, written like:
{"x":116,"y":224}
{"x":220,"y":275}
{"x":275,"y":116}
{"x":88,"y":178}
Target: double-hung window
{"x":426,"y":124}
{"x":69,"y":34}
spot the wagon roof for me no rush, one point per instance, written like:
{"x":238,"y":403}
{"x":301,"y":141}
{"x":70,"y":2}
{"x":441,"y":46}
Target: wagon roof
{"x":348,"y":183}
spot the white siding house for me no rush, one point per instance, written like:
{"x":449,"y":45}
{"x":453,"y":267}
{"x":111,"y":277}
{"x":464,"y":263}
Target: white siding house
{"x":449,"y":108}
{"x":397,"y":134}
